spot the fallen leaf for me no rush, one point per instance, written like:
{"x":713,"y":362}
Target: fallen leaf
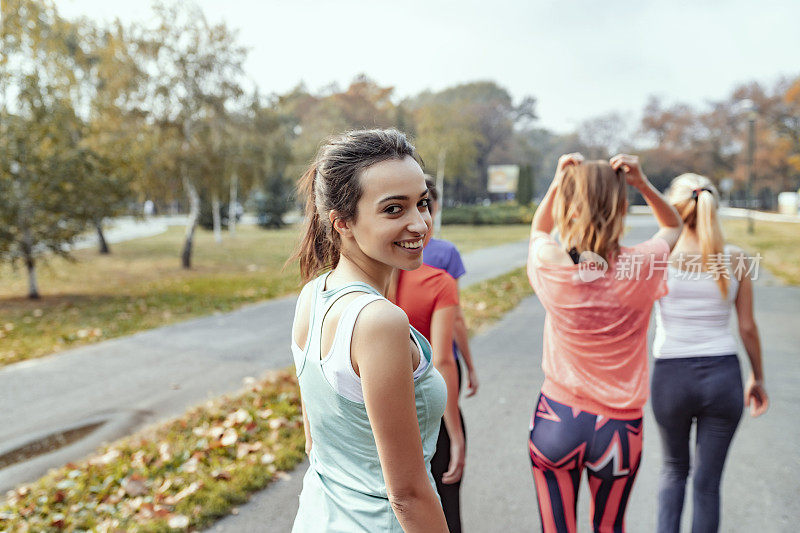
{"x":267,"y":459}
{"x":134,"y":487}
{"x":106,"y":458}
{"x":190,"y":466}
{"x":178,"y":521}
{"x":229,"y":437}
{"x":191,"y":489}
{"x":221,"y":474}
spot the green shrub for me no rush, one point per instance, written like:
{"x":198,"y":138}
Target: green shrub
{"x":479,"y":215}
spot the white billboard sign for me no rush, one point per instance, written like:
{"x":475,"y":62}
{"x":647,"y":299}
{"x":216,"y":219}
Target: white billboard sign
{"x":503,"y":178}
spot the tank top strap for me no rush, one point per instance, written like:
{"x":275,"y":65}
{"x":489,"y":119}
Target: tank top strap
{"x":337,"y":365}
{"x":331,"y":296}
{"x":326,"y":300}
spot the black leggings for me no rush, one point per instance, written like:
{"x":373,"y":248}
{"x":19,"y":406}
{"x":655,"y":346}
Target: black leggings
{"x":450,"y":494}
{"x":708,"y":392}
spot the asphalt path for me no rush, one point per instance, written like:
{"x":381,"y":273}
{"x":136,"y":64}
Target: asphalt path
{"x":762,"y":479}
{"x":129,"y":382}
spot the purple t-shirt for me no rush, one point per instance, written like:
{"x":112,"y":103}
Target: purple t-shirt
{"x":444,"y":255}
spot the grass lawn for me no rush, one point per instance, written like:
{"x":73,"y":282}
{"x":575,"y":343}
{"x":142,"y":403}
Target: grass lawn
{"x":141,"y":285}
{"x":469,"y":238}
{"x":777,"y":242}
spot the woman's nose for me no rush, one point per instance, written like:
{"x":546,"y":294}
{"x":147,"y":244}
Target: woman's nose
{"x":420,"y":222}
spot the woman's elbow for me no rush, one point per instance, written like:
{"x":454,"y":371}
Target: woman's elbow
{"x":748,"y":329}
{"x":405,"y":497}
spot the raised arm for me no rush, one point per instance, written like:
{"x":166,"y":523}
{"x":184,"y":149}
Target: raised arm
{"x":755,"y":393}
{"x":543,"y":217}
{"x":669,"y":222}
{"x":542,"y":224}
{"x":442,"y":323}
{"x":380,"y":350}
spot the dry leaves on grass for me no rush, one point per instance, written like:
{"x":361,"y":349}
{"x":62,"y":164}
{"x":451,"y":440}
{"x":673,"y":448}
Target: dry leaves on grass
{"x":178,"y":475}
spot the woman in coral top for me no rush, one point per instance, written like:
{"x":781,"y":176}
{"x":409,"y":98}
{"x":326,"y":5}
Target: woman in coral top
{"x":598,"y":296}
{"x":429,"y":296}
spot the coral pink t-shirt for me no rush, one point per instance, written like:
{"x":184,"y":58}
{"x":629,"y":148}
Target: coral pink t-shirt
{"x":422,"y":291}
{"x":595,"y":330}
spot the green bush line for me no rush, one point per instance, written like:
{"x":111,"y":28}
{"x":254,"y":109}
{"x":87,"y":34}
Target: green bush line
{"x":479,"y":215}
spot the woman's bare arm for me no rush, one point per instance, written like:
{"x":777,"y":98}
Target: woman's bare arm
{"x":461,"y":336}
{"x":380,"y":348}
{"x":542,"y":224}
{"x":669,"y":222}
{"x":442,"y":323}
{"x":755,"y":393}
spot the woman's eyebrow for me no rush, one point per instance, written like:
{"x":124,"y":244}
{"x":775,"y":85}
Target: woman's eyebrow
{"x":393,"y":197}
{"x":401,"y":197}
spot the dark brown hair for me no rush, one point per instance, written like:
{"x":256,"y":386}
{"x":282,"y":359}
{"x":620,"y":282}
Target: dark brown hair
{"x":433,"y":192}
{"x":332,"y":183}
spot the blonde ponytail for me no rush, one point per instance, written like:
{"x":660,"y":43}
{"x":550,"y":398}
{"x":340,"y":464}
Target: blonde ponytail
{"x":696,"y":200}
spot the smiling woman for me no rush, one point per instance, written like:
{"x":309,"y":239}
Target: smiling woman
{"x":372,"y":399}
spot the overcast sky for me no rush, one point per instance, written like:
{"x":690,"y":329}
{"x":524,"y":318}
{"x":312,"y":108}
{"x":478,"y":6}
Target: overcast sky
{"x":579,"y":58}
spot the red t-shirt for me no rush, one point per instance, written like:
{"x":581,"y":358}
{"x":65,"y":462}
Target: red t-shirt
{"x":422,"y":291}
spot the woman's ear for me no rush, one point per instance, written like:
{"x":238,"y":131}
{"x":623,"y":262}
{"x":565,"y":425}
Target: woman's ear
{"x":339,"y":224}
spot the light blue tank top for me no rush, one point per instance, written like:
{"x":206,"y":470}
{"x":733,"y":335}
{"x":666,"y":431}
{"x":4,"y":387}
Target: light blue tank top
{"x":344,"y":489}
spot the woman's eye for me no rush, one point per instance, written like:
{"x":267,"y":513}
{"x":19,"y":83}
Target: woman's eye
{"x":425,"y":202}
{"x":392,"y":209}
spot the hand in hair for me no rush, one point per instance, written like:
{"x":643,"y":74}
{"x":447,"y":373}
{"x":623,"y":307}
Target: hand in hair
{"x":629,"y":164}
{"x":574,"y":158}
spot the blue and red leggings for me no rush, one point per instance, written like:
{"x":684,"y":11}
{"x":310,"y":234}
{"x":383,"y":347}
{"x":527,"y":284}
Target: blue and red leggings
{"x":563,"y":441}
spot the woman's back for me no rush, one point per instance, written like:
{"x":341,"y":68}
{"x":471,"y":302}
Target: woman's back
{"x":345,"y":468}
{"x":595,"y":335}
{"x":693,"y":319}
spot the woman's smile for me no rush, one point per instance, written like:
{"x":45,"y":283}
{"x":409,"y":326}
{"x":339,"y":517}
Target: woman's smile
{"x":411,"y":246}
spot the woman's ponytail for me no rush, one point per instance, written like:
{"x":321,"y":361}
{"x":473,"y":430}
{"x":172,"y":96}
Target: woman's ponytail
{"x":712,"y":242}
{"x":696,"y":200}
{"x":314,"y":251}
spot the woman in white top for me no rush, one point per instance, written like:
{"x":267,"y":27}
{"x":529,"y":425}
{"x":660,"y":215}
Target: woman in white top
{"x":696,"y":377}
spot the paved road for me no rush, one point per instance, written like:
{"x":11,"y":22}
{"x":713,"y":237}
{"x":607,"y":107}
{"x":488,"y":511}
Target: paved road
{"x":133,"y":381}
{"x":761,"y":484}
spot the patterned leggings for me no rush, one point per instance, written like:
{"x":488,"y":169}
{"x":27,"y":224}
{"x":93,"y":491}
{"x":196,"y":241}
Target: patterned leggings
{"x":563,"y":441}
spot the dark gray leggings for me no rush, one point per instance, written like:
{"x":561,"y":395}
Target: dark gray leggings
{"x":708,"y":391}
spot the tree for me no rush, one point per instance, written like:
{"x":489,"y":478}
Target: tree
{"x":195,"y":70}
{"x":485,"y":112}
{"x":444,"y":133}
{"x":525,"y":185}
{"x":603,"y":136}
{"x":44,"y":169}
{"x":270,"y":152}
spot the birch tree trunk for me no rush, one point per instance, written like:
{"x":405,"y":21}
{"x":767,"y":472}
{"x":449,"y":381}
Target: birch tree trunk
{"x":191,"y":224}
{"x":101,"y":238}
{"x":30,"y":265}
{"x":232,"y":206}
{"x":194,"y":200}
{"x":216,"y":217}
